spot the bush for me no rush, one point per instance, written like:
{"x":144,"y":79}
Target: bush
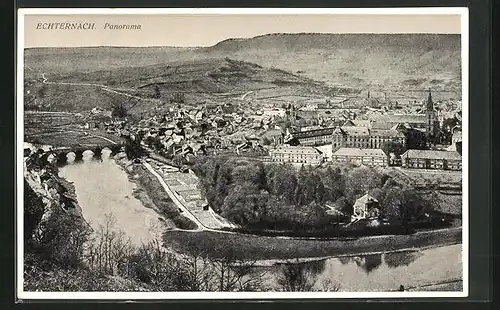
{"x":183,"y":222}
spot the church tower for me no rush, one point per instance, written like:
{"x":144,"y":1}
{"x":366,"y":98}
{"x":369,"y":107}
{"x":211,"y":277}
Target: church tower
{"x":431,"y":117}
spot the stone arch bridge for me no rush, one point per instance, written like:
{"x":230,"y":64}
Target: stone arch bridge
{"x":62,"y":154}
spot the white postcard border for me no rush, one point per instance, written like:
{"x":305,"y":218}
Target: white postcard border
{"x":24,"y":295}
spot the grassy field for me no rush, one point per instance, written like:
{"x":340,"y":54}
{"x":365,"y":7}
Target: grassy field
{"x":451,"y":204}
{"x":62,"y":137}
{"x":422,"y":177}
{"x":256,"y":247}
{"x":429,"y":177}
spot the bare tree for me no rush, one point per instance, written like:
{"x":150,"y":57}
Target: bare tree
{"x":327,"y":285}
{"x":296,"y":277}
{"x":109,"y":249}
{"x":235,"y":273}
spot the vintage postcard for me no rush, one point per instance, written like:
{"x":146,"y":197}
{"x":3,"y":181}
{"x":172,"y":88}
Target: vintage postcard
{"x":242,"y":153}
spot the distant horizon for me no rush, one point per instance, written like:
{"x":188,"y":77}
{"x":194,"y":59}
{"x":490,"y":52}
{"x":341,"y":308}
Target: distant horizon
{"x":243,"y":38}
{"x":193,"y":30}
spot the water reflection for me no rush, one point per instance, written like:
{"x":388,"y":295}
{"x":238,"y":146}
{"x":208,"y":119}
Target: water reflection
{"x":384,"y":272}
{"x":315,"y":267}
{"x":102,"y":187}
{"x":398,"y":259}
{"x":393,"y":260}
{"x":368,"y":263}
{"x":70,"y":157}
{"x":87,"y":155}
{"x":345,"y":260}
{"x":298,"y":276}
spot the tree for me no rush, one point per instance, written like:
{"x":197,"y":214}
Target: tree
{"x":133,"y":148}
{"x":119,"y":110}
{"x":266,"y":141}
{"x":245,"y":204}
{"x":232,"y":273}
{"x":252,"y":173}
{"x":393,"y":147}
{"x":327,"y":285}
{"x":416,"y":139}
{"x":282,"y":181}
{"x":154,"y":142}
{"x":295,"y":277}
{"x":360,"y":180}
{"x":61,"y":238}
{"x":334,"y":183}
{"x":449,"y":123}
{"x":392,"y":203}
{"x":157,"y":93}
{"x":109,"y":249}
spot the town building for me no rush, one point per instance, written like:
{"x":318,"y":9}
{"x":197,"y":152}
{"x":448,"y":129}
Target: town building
{"x":314,"y":137}
{"x":273,"y":137}
{"x":432,"y":159}
{"x":456,"y":140}
{"x":348,"y":136}
{"x":427,"y":122}
{"x":432,"y":122}
{"x":359,"y":122}
{"x":360,"y":156}
{"x":387,"y":121}
{"x":296,"y":154}
{"x":363,"y":137}
{"x":274,"y":112}
{"x":365,"y":207}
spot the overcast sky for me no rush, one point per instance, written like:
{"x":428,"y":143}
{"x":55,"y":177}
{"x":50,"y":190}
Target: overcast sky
{"x":207,"y":30}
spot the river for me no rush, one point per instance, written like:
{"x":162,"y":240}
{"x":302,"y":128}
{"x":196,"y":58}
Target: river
{"x":415,"y":270}
{"x":102,"y":188}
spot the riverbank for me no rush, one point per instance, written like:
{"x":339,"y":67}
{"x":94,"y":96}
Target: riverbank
{"x":140,"y":192}
{"x":151,"y":193}
{"x":271,"y":250}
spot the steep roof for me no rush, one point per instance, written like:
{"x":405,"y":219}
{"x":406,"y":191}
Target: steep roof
{"x":362,"y":122}
{"x":297,"y":150}
{"x":386,"y":133}
{"x":432,"y":154}
{"x":366,"y":199}
{"x":356,"y":130}
{"x":313,"y":133}
{"x":347,"y":151}
{"x":398,"y":118}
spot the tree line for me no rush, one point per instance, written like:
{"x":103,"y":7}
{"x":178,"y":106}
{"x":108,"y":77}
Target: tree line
{"x":280,"y":197}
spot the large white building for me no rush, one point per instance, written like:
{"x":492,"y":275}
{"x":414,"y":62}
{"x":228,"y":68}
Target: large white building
{"x":432,"y":159}
{"x":296,"y":154}
{"x":359,"y":156}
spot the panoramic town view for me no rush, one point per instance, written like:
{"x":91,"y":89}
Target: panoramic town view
{"x":282,"y":162}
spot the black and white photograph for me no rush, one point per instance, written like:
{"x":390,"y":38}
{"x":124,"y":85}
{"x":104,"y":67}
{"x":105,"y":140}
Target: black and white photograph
{"x":242,"y":153}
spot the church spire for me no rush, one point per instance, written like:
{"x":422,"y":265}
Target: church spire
{"x":430,"y":104}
